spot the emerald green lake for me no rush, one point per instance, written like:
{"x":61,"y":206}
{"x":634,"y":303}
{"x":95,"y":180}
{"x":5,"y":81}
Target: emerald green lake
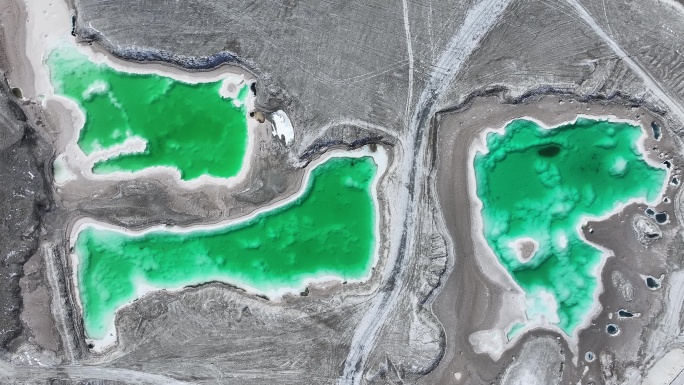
{"x":189,"y":127}
{"x":538,"y":185}
{"x":328,"y":231}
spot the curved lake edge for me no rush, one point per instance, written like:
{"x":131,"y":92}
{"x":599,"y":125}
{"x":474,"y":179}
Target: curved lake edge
{"x":34,"y":80}
{"x":475,"y":296}
{"x":381,"y":158}
{"x":77,"y":162}
{"x":479,"y":146}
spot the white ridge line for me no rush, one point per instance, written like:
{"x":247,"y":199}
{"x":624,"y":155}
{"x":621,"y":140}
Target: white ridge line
{"x":477,"y":23}
{"x":409,"y":48}
{"x":15,"y":373}
{"x":308,"y":142}
{"x":648,"y":80}
{"x":56,"y":308}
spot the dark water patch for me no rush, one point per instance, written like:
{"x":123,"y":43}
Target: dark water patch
{"x":660,"y":216}
{"x":652,"y":283}
{"x":549,"y":151}
{"x":622,"y":313}
{"x":16,"y":92}
{"x":657,"y":132}
{"x":612,"y":329}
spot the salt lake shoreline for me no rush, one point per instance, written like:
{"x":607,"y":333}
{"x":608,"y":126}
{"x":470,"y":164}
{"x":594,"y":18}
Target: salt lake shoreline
{"x":479,"y":146}
{"x":40,"y":38}
{"x":495,"y":304}
{"x":380,"y":157}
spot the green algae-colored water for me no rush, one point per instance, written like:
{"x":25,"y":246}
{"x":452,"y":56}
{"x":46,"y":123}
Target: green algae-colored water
{"x":190,"y":127}
{"x":329,"y":230}
{"x":539,"y":183}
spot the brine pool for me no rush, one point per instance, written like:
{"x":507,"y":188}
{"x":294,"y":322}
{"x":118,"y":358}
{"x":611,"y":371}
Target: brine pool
{"x":136,"y":121}
{"x":328,"y":230}
{"x":538,"y":186}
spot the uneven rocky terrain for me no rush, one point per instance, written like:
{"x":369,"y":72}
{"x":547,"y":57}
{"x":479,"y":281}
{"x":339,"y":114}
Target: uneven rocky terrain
{"x":420,"y":79}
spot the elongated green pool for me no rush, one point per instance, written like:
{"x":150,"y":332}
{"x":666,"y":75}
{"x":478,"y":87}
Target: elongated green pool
{"x":189,"y":127}
{"x":537,"y":187}
{"x":328,"y":231}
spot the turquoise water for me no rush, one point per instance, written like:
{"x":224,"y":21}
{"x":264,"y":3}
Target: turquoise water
{"x":328,"y":231}
{"x":189,"y":127}
{"x":541,"y":184}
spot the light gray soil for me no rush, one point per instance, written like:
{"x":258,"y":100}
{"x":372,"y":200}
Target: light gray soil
{"x":418,"y":78}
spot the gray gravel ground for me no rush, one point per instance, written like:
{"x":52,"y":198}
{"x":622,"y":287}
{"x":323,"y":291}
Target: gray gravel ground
{"x":23,"y":200}
{"x":420,"y":79}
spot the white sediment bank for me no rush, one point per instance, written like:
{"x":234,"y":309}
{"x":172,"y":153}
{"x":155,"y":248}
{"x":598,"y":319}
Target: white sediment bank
{"x":62,"y":173}
{"x":282,"y":126}
{"x":49,"y":26}
{"x":494,"y":341}
{"x":379,"y":156}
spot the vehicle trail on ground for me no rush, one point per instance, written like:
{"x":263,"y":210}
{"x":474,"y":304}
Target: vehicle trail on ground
{"x":409,"y":48}
{"x":652,"y":84}
{"x":478,"y":21}
{"x":63,"y":321}
{"x":29,"y":374}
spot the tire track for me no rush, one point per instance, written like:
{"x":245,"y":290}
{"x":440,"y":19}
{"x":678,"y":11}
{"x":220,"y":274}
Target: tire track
{"x":649,"y":81}
{"x":478,"y":21}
